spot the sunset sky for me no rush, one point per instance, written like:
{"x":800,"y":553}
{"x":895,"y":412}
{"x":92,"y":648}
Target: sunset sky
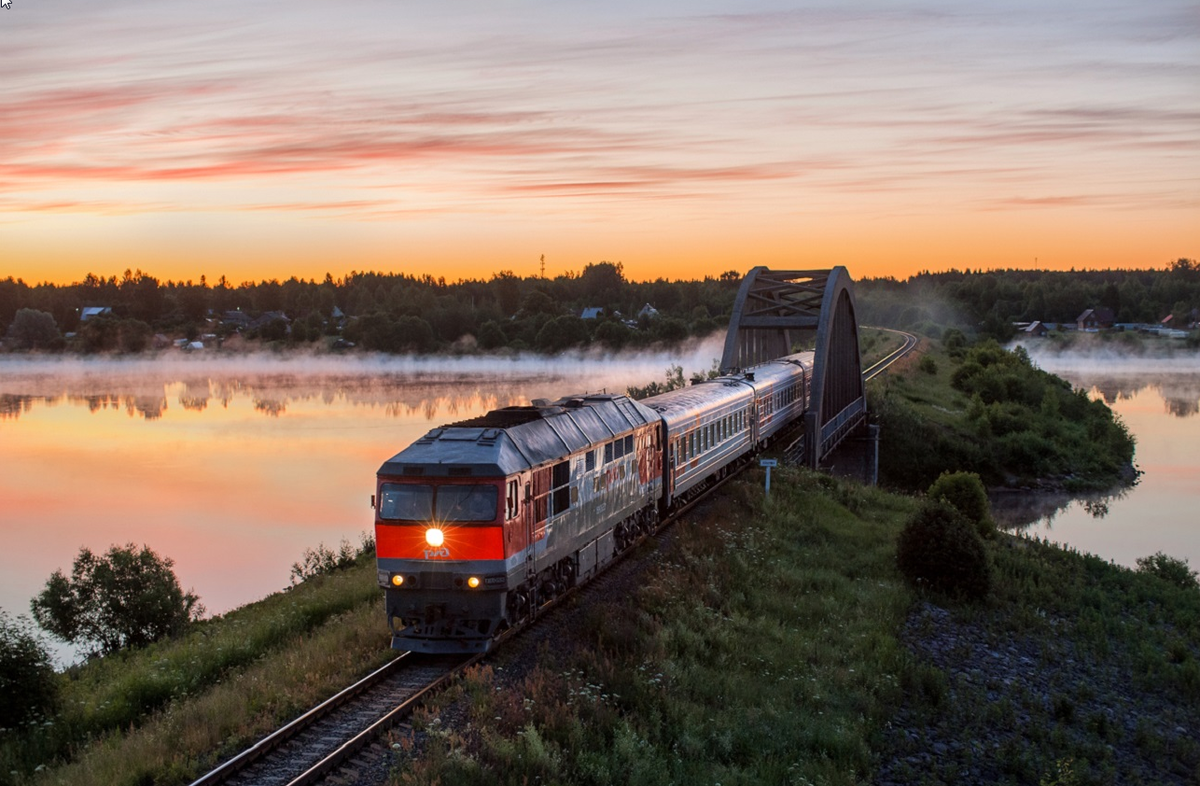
{"x":264,"y":139}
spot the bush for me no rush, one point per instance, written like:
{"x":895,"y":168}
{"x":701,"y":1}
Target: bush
{"x":127,"y":598}
{"x":941,"y":550}
{"x":27,"y":679}
{"x":322,"y":560}
{"x":1168,"y":568}
{"x":964,"y":491}
{"x":927,"y":364}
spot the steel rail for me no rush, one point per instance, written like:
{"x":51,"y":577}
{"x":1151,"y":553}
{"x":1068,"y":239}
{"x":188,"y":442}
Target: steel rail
{"x":297,"y":724}
{"x":346,"y":750}
{"x":877,"y":368}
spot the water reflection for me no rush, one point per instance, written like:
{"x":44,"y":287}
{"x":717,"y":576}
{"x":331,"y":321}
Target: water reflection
{"x":1156,"y":399}
{"x":1021,"y":510}
{"x":1180,"y":392}
{"x":1120,"y":377}
{"x":397,"y":396}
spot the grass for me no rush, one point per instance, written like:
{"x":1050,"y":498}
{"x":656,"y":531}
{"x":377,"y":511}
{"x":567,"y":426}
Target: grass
{"x":771,"y":643}
{"x":161,"y":713}
{"x":992,"y":412}
{"x":760,"y":647}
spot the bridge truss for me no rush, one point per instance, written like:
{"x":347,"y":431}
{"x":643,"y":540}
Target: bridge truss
{"x":775,"y":311}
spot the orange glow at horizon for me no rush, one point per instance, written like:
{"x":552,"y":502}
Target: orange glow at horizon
{"x":680,"y":141}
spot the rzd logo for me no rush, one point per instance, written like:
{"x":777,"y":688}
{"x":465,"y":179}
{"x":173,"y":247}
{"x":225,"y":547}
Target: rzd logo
{"x":436,"y":553}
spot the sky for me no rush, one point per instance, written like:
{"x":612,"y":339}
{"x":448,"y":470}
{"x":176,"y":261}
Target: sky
{"x":263,"y":139}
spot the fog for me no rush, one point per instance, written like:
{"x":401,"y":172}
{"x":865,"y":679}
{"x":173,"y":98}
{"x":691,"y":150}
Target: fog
{"x":146,"y":385}
{"x":1118,"y":375}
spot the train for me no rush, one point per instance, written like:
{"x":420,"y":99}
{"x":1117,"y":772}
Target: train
{"x":480,"y":523}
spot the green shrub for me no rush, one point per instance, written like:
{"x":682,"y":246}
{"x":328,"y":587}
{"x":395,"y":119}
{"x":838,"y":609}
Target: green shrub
{"x":124,"y":598}
{"x":940,"y":549}
{"x":1169,"y":568}
{"x":964,"y":491}
{"x":927,"y":364}
{"x":27,"y":679}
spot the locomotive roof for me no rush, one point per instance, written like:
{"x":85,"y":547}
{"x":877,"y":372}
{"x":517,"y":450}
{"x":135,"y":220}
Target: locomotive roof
{"x":513,"y":439}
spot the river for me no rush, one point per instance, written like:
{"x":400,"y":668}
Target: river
{"x":1158,"y":399}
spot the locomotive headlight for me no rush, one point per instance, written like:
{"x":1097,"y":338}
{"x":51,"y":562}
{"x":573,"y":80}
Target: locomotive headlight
{"x":473,"y":582}
{"x":435,"y":537}
{"x":397,"y":580}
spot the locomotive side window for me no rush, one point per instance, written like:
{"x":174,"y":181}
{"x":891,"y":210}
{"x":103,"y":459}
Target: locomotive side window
{"x":589,"y":461}
{"x":608,"y":452}
{"x":511,"y":504}
{"x":560,"y":488}
{"x":466,"y":503}
{"x":628,"y":444}
{"x":405,"y":502}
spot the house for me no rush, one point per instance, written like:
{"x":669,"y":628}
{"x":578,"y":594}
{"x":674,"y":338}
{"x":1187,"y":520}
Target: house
{"x":1094,"y":319}
{"x":267,"y":318}
{"x":648,"y":311}
{"x":591,"y":313}
{"x":1035,"y":329}
{"x":87,"y":312}
{"x":238,"y":319}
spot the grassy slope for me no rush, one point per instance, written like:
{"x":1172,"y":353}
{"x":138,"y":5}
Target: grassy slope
{"x":772,"y":643}
{"x":164,"y":713}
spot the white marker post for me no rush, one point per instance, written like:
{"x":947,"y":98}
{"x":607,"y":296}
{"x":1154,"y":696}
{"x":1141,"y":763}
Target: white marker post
{"x":768,"y":463}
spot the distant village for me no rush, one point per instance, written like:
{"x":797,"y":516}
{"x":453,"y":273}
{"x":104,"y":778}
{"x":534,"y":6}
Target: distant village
{"x":1101,"y":319}
{"x":227,"y":329}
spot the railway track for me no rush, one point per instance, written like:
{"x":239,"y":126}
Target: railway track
{"x":308,"y":749}
{"x":910,"y":341}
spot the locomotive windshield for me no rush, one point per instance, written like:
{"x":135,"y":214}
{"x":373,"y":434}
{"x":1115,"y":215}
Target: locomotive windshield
{"x":418,"y":502}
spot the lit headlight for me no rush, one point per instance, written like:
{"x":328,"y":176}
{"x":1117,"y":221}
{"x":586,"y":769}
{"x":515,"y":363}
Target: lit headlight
{"x":435,"y":537}
{"x":397,"y":580}
{"x":473,"y":582}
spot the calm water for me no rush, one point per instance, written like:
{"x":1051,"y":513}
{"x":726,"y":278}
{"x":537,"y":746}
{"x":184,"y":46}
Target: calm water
{"x":1159,"y":401}
{"x":233,"y":467}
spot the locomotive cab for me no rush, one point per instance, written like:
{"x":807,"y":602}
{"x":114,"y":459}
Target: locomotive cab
{"x":440,"y":550}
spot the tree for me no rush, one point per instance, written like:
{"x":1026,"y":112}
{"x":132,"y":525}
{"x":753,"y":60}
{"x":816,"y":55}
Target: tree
{"x":126,"y":598}
{"x":562,"y":332}
{"x":33,"y":329}
{"x":27,"y":679}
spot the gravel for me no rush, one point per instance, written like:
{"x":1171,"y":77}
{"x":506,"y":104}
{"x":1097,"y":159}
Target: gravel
{"x":1030,"y":710}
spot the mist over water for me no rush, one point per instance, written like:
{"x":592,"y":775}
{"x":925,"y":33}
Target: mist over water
{"x":147,"y":385}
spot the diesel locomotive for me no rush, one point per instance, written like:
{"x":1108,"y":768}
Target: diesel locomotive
{"x":480,"y":523}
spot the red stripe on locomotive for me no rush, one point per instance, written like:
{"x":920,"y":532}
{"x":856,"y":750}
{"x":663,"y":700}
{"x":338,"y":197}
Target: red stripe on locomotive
{"x":407,"y":541}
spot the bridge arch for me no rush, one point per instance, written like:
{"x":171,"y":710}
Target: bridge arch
{"x":773,"y":311}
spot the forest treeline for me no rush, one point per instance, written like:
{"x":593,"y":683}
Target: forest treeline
{"x":990,"y":302}
{"x":395,"y":312}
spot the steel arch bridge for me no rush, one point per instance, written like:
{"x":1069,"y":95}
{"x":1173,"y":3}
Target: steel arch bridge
{"x":777,"y":308}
